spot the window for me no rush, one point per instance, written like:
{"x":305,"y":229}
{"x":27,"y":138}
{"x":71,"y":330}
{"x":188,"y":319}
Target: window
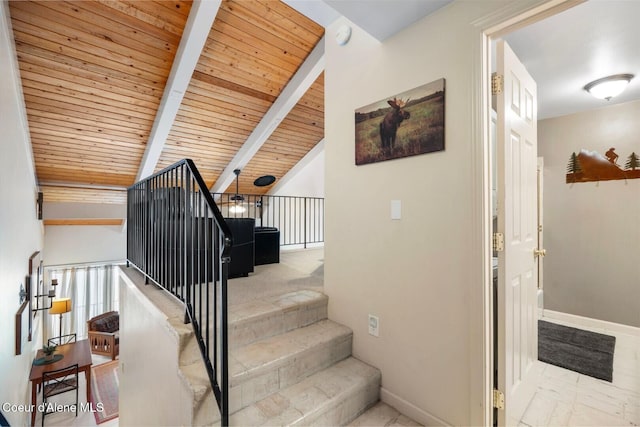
{"x":93,"y":290}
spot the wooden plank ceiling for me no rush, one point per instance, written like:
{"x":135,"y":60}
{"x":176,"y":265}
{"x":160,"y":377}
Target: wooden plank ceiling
{"x":93,"y":76}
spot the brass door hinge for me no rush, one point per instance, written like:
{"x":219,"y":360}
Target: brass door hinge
{"x":497,"y":84}
{"x":498,"y":242}
{"x":498,"y":399}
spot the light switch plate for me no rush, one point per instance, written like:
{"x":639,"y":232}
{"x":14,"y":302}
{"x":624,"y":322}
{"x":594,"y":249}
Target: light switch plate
{"x":396,"y":209}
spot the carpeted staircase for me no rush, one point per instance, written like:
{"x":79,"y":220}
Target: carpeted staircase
{"x":289,"y":365}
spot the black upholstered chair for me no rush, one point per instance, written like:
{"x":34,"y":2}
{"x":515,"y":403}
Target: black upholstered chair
{"x":242,"y":252}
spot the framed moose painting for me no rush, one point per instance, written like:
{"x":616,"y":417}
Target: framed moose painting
{"x":401,"y":125}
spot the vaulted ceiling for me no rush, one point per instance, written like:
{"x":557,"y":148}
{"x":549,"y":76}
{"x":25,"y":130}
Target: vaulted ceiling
{"x":109,"y":98}
{"x":117,"y":90}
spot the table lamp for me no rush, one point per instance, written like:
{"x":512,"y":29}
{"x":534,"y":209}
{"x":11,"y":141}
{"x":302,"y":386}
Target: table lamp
{"x":60,"y":306}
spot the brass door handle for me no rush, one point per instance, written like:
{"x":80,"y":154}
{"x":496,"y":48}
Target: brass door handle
{"x":539,"y":252}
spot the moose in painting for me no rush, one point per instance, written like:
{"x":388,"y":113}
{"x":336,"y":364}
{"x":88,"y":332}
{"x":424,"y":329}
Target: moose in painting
{"x":391,"y":122}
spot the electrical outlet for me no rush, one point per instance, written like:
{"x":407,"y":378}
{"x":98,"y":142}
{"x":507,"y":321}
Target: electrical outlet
{"x":374,"y":325}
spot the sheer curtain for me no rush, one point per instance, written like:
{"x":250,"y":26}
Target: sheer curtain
{"x":93,"y":290}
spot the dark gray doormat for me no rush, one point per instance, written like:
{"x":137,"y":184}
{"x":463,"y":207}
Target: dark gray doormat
{"x":581,"y":351}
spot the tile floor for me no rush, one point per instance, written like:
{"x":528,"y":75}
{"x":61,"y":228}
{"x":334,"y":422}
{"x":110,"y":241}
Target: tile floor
{"x":68,"y":419}
{"x":566,"y":398}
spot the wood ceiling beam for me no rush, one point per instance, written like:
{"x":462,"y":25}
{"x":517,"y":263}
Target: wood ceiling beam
{"x":194,"y":37}
{"x":306,"y":75}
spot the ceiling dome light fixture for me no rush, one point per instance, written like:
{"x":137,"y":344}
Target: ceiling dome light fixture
{"x":608,"y":87}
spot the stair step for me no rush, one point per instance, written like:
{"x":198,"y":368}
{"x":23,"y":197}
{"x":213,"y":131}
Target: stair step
{"x":381,"y":415}
{"x":264,"y":367}
{"x":333,"y":396}
{"x":198,"y":387}
{"x":264,"y":318}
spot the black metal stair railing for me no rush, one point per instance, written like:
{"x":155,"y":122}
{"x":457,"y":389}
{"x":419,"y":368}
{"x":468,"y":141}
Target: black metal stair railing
{"x":177,"y":237}
{"x":300,"y":219}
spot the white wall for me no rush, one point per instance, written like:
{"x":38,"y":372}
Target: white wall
{"x":592,"y":230}
{"x":73,"y":244}
{"x":20,"y":231}
{"x":152,"y":387}
{"x":83,"y":210}
{"x":422,"y":275}
{"x":84,"y":243}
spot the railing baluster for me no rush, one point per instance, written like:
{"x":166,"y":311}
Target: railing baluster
{"x":299,"y":219}
{"x":224,"y":362}
{"x":178,"y":238}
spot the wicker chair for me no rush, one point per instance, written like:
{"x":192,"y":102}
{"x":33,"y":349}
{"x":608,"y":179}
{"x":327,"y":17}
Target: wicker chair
{"x":104,"y":334}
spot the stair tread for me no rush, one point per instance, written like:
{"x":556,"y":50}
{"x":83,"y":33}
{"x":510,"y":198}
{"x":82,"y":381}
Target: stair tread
{"x":308,"y":399}
{"x":259,"y":308}
{"x":198,"y":379}
{"x":270,"y":353}
{"x":257,"y":319}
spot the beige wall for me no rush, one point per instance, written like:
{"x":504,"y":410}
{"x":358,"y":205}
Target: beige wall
{"x":592,"y":230}
{"x":20,"y":231}
{"x":422,"y":275}
{"x":75,"y":244}
{"x":152,"y":392}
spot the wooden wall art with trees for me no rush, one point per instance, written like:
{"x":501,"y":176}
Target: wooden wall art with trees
{"x":588,"y":166}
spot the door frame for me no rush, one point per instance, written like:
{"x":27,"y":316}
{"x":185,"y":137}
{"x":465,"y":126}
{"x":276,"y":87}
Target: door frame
{"x":540,"y":221}
{"x":504,"y":21}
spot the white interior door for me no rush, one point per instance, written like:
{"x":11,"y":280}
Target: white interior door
{"x":517,"y":220}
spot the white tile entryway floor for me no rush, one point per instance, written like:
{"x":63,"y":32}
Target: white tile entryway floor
{"x":566,"y":398}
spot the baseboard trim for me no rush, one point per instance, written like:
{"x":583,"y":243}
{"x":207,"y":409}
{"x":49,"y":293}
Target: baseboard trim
{"x":591,"y":323}
{"x":410,"y":410}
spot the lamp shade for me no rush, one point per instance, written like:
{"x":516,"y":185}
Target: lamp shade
{"x":61,"y":305}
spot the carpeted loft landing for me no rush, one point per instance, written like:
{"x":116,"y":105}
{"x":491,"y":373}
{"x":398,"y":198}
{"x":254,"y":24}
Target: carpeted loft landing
{"x":585,"y":352}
